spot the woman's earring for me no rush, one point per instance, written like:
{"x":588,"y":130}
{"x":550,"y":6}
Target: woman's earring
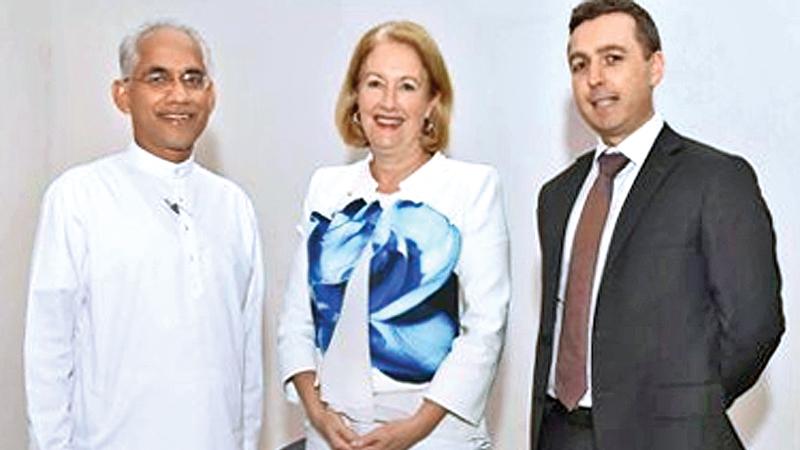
{"x":356,"y":118}
{"x":428,"y":126}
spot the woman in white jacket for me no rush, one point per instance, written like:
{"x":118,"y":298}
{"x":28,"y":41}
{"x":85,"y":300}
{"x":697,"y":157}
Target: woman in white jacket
{"x":396,"y":306}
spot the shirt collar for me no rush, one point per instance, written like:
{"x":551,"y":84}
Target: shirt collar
{"x":637,"y":146}
{"x":152,"y":164}
{"x":419,"y":179}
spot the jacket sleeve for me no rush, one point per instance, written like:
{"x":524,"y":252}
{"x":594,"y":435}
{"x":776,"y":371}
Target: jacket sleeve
{"x":462,"y":383}
{"x":57,"y":289}
{"x":296,"y":348}
{"x":253,"y":313}
{"x":739,"y":247}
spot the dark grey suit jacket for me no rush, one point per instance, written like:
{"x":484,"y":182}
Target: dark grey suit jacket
{"x":689,"y":309}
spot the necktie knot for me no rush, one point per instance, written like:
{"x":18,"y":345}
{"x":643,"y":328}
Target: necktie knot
{"x":612,"y":163}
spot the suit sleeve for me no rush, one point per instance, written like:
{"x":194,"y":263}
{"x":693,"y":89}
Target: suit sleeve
{"x":463,"y":380}
{"x":56,"y":291}
{"x":253,"y":393}
{"x":739,"y":246}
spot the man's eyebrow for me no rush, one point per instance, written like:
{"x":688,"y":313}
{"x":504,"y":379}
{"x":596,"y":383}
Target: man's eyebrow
{"x":153,"y":69}
{"x":576,"y":54}
{"x":612,"y":48}
{"x":604,"y":49}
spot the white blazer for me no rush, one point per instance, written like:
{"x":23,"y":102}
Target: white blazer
{"x":470,"y":197}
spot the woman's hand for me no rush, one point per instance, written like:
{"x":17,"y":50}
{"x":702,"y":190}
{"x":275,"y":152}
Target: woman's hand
{"x":396,"y":435}
{"x":328,"y":423}
{"x":403,"y":434}
{"x":333,"y":428}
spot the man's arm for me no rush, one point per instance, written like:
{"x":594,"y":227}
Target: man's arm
{"x":739,"y":247}
{"x":253,"y":392}
{"x":57,"y":284}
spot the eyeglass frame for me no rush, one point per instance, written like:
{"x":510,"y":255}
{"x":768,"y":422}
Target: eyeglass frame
{"x":168,"y":81}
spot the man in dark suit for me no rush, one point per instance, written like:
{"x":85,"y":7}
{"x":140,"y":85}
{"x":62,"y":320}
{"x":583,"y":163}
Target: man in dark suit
{"x":661,"y":291}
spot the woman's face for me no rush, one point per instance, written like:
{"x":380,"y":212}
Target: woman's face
{"x":393,"y":99}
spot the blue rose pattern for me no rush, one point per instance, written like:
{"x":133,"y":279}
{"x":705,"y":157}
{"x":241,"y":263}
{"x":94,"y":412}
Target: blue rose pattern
{"x":413,"y":292}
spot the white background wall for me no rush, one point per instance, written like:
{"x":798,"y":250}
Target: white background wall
{"x":731,"y":81}
{"x":24,"y":143}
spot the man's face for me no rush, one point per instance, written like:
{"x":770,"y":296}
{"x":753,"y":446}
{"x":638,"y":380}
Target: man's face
{"x":168,"y":95}
{"x":612,"y":80}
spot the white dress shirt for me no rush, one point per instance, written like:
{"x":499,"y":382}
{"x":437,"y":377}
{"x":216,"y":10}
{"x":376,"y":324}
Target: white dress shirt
{"x":635,"y":147}
{"x":469,"y":196}
{"x":145,"y":310}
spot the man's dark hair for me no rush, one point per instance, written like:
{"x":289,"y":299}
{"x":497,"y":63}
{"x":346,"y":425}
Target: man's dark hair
{"x":646,"y":31}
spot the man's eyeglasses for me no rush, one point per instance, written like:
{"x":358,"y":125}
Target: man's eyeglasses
{"x":162,"y":80}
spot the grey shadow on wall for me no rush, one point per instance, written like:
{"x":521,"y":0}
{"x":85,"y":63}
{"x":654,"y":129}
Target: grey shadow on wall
{"x":498,"y":397}
{"x":355,"y":154}
{"x":207,"y":152}
{"x":751,"y":411}
{"x":578,"y":138}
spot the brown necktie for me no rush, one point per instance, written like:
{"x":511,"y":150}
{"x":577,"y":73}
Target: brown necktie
{"x":573,"y":344}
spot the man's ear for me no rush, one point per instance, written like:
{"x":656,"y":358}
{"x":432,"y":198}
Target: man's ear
{"x":213,"y":99}
{"x":119,"y":92}
{"x":656,"y":68}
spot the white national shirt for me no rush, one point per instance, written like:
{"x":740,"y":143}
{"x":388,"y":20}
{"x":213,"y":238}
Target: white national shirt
{"x":145,"y":310}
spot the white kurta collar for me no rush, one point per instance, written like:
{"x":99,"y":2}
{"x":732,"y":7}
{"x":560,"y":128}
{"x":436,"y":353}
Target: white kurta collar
{"x":152,"y":164}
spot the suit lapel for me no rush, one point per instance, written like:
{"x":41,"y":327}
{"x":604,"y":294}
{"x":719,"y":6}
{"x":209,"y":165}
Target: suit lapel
{"x":657,"y":165}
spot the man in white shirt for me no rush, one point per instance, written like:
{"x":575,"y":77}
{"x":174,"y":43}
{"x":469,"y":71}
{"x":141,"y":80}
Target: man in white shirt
{"x":661,"y":291}
{"x":145,"y":306}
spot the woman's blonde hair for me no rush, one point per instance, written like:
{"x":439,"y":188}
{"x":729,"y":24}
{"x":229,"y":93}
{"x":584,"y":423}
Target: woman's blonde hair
{"x":436,"y":132}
